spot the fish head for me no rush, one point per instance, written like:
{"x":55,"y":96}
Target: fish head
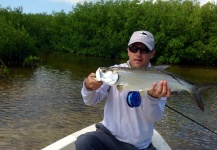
{"x":108,"y":75}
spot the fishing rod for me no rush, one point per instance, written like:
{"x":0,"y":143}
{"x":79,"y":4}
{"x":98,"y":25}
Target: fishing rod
{"x":191,"y":119}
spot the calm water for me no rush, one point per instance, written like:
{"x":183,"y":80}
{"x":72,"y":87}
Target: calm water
{"x":44,"y":104}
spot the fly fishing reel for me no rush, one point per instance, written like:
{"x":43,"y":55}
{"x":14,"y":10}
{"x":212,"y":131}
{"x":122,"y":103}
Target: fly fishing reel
{"x":133,"y":99}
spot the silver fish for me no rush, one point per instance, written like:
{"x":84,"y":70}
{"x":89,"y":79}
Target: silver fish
{"x":141,"y":79}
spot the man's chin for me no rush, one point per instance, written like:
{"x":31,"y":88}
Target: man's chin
{"x":138,"y":65}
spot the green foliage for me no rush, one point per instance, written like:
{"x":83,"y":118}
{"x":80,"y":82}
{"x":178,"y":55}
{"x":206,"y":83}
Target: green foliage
{"x":15,"y":42}
{"x":184,"y":31}
{"x":31,"y":61}
{"x":3,"y":70}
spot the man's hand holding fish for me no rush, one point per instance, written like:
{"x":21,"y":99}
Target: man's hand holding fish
{"x":163,"y":90}
{"x":91,"y":83}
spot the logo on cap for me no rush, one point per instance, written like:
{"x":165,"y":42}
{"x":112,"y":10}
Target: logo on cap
{"x":143,"y":33}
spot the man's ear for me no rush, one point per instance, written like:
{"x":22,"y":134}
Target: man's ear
{"x":153,"y":53}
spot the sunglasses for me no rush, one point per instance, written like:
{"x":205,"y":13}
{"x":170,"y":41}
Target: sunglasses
{"x":143,"y":50}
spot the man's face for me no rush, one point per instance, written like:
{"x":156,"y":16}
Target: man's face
{"x":139,"y":59}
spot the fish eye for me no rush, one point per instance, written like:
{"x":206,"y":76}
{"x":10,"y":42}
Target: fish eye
{"x":104,"y":70}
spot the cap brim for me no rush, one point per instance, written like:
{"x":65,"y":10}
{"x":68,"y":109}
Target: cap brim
{"x":137,"y":41}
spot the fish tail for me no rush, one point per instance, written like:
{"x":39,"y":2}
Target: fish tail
{"x":197,"y":91}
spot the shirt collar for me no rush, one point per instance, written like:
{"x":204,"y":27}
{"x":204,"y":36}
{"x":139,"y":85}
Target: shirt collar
{"x":128,"y":63}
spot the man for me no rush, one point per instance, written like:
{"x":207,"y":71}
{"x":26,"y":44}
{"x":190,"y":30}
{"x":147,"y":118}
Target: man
{"x":123,"y":127}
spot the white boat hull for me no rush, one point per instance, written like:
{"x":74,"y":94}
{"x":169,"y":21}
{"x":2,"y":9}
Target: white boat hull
{"x":68,"y":142}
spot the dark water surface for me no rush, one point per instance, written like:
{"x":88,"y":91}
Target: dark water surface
{"x":44,"y":104}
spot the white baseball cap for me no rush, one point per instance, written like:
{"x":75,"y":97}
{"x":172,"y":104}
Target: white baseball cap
{"x":144,"y":37}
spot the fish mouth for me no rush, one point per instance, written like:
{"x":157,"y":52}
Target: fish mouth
{"x":98,"y":74}
{"x":107,"y":75}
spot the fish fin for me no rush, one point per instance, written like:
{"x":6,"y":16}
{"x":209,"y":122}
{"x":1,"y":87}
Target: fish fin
{"x":142,"y":92}
{"x":161,"y":67}
{"x":197,"y":96}
{"x":202,"y":87}
{"x":198,"y":100}
{"x":120,"y":88}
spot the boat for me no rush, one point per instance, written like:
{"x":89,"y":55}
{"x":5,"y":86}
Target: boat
{"x":68,"y":142}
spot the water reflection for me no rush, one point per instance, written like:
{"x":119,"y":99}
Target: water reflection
{"x":45,"y":105}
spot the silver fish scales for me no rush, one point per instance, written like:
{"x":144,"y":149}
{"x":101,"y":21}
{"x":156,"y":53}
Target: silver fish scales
{"x":141,"y":79}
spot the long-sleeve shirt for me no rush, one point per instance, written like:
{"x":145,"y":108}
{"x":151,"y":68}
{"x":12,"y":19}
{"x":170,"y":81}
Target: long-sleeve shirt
{"x":131,"y":125}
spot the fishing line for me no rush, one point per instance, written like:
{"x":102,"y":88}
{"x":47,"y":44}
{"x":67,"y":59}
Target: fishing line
{"x":191,"y":119}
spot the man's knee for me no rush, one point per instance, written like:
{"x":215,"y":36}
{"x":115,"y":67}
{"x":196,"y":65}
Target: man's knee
{"x":87,"y":142}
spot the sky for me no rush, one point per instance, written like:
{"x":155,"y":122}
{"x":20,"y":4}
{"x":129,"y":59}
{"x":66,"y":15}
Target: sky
{"x":41,"y":6}
{"x":47,"y":6}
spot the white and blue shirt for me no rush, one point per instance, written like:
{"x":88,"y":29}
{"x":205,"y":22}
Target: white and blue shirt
{"x":131,"y":125}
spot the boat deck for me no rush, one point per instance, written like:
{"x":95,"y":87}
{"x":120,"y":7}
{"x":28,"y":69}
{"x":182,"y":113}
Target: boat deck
{"x":68,"y":142}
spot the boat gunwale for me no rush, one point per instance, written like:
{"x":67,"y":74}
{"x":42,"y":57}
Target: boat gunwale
{"x":68,"y":142}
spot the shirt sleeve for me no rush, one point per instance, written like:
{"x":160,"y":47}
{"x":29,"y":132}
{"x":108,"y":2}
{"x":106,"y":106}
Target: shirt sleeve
{"x":92,"y":97}
{"x":154,"y":107}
